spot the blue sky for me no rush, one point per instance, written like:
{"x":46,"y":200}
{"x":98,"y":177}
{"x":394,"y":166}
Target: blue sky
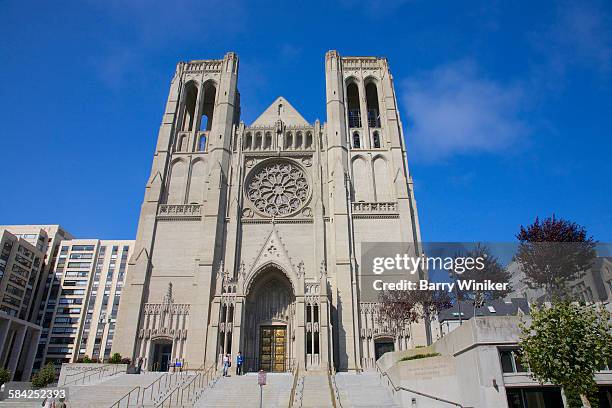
{"x":507,"y":107}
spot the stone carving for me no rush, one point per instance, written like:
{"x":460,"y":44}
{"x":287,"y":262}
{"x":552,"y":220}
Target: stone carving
{"x":301,"y":270}
{"x":278,"y":188}
{"x":363,"y":207}
{"x":181,"y":210}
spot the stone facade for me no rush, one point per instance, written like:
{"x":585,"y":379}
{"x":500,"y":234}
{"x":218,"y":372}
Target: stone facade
{"x":249,"y":235}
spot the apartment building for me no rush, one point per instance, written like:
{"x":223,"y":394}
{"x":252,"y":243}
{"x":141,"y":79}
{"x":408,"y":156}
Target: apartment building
{"x":46,"y":238}
{"x":91,"y":276}
{"x":21,"y":263}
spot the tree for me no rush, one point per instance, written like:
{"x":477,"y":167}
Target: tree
{"x":565,"y":344}
{"x":401,"y":307}
{"x":115,"y":359}
{"x":44,"y":376}
{"x":554,"y":252}
{"x":493,"y":270}
{"x":5,"y":375}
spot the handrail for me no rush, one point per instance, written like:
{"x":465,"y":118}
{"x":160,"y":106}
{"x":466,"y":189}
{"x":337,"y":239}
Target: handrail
{"x":296,"y":371}
{"x":197,"y":381}
{"x":335,"y":384}
{"x":201,"y":379}
{"x":158,"y":379}
{"x":331,"y":389}
{"x":128,"y":395}
{"x":402,"y":388}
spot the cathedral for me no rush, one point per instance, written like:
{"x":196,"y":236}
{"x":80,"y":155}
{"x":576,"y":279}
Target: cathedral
{"x":249,"y":235}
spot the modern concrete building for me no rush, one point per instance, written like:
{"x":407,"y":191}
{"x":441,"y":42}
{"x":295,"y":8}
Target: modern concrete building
{"x":451,"y":318}
{"x":47,"y":239}
{"x":250,"y":234}
{"x":477,"y":367}
{"x":21,"y":264}
{"x":91,"y":276}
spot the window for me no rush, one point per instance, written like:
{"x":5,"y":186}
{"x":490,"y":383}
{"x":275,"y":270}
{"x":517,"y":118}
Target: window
{"x":208,"y":106}
{"x":248,"y":141}
{"x":86,"y":255}
{"x":202,"y":143}
{"x":81,"y":248}
{"x":268,"y":140}
{"x":189,"y":106}
{"x":372,"y":105}
{"x":79,"y":264}
{"x":354,"y":113}
{"x":510,"y":361}
{"x":356,"y":141}
{"x":376,"y":140}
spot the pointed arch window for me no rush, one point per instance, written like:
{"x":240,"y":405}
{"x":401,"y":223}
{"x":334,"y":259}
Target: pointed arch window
{"x":308,"y":140}
{"x":356,"y":140}
{"x":376,"y":140}
{"x":189,"y":106}
{"x":202,"y":143}
{"x":268,"y":141}
{"x":372,"y":105}
{"x":248,"y":142}
{"x":208,"y":106}
{"x":354,"y":112}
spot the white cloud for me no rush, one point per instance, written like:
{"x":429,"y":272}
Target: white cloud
{"x":452,"y":110}
{"x":580,"y":36}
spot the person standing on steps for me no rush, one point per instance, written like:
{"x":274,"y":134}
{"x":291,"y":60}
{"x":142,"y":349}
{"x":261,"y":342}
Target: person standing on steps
{"x":226,"y":364}
{"x":239,"y":361}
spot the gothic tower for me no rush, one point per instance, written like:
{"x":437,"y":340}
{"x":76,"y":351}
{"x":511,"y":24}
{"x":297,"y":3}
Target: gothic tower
{"x":249,"y":235}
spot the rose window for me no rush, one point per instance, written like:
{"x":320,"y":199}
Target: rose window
{"x":278,"y":188}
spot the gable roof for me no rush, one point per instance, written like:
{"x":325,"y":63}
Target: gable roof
{"x":283,"y":110}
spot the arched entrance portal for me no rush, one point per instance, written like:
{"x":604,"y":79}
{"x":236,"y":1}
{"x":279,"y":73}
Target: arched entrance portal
{"x":383,"y":345}
{"x":270,"y":322}
{"x":161,"y":351}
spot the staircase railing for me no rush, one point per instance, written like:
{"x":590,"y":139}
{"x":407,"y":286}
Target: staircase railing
{"x":296,"y":372}
{"x":177,"y":396}
{"x":129,"y":397}
{"x":336,"y":392}
{"x":200,"y":381}
{"x":333,"y":395}
{"x":396,"y":388}
{"x":151,"y":387}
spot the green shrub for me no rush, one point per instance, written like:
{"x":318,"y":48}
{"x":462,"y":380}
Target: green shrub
{"x":5,"y":375}
{"x":44,"y":376}
{"x":115,"y":359}
{"x":419,"y":356}
{"x":85,"y":359}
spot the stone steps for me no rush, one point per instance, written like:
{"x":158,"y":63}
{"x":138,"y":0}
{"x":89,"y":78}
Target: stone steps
{"x":105,"y":393}
{"x":243,"y":392}
{"x":315,"y":390}
{"x":365,"y":390}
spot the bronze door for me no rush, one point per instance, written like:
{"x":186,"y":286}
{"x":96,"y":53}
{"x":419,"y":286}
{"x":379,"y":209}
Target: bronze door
{"x":272,"y":348}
